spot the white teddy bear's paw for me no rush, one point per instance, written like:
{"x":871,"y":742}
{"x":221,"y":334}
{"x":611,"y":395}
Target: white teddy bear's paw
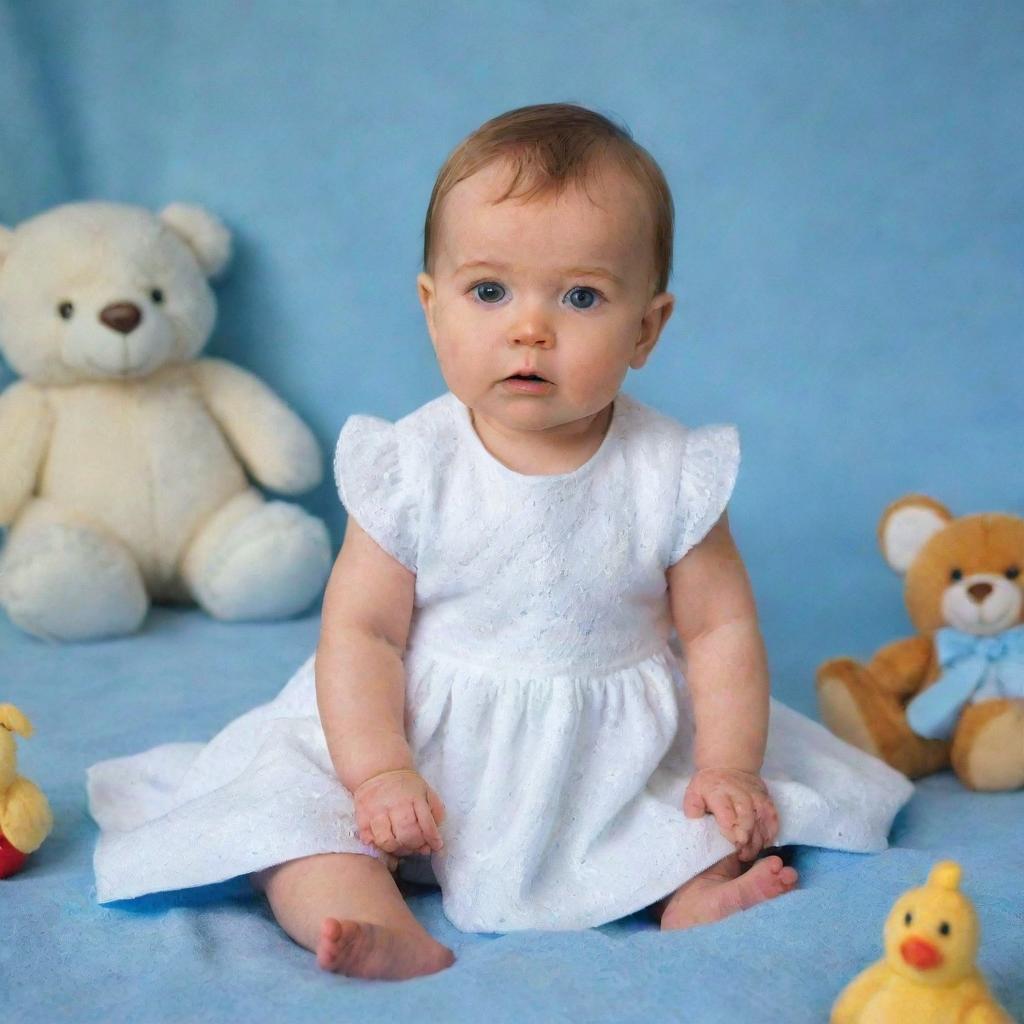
{"x":271,"y":564}
{"x":65,"y":582}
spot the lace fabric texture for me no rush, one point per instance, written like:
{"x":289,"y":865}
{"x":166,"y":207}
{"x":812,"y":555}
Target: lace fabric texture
{"x":374,"y":484}
{"x":555,"y":572}
{"x":544,"y":701}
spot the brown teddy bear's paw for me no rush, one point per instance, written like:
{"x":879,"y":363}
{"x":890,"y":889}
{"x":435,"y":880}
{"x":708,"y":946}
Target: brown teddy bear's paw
{"x":837,"y":682}
{"x":988,"y":748}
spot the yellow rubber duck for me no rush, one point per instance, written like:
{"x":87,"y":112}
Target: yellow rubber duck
{"x":25,"y":817}
{"x":928,"y":974}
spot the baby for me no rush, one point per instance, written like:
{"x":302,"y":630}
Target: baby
{"x":499,"y":621}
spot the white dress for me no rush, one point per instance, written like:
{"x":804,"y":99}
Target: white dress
{"x":545,"y":696}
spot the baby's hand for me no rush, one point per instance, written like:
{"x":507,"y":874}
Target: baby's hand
{"x":741,"y":805}
{"x":398,"y":812}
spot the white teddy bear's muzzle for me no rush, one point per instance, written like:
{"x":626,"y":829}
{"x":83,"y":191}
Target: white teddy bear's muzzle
{"x":121,"y":340}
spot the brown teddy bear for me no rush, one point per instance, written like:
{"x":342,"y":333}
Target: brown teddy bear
{"x":955,"y":692}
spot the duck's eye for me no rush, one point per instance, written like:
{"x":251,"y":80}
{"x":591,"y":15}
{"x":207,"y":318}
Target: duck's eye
{"x":66,"y":310}
{"x":956,"y":574}
{"x":157,"y":296}
{"x":1013,"y":572}
{"x":907,"y":918}
{"x":944,"y":928}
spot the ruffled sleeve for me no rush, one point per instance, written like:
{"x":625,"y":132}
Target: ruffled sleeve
{"x":374,"y":485}
{"x":710,"y":462}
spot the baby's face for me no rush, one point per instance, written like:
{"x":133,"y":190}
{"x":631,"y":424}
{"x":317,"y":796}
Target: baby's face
{"x":562,"y":287}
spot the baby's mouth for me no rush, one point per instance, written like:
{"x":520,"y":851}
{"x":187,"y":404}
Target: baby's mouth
{"x":530,"y":376}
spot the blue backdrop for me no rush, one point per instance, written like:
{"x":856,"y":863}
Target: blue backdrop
{"x":849,"y":240}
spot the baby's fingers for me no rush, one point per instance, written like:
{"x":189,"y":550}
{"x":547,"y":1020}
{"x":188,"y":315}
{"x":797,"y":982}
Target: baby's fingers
{"x":749,"y":850}
{"x":694,"y":804}
{"x":436,"y":805}
{"x":428,"y":827}
{"x":766,"y":828}
{"x":745,"y":819}
{"x":406,"y":827}
{"x":383,"y":836}
{"x":722,"y":807}
{"x":769,"y":818}
{"x":364,"y":827}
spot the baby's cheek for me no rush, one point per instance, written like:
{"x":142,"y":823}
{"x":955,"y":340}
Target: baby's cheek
{"x":591,"y":379}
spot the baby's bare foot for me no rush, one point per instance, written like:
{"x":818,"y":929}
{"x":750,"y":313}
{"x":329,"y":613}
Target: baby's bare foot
{"x":363,"y":950}
{"x":719,"y":892}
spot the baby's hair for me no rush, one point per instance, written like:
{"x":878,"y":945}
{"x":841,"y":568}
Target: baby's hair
{"x":551,"y":146}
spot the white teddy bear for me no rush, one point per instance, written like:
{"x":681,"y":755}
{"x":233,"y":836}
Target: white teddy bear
{"x":121,"y":455}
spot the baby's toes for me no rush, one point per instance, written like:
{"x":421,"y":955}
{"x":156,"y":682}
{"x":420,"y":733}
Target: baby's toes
{"x":788,"y":878}
{"x":778,"y":875}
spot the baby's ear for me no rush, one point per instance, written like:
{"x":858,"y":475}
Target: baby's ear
{"x":6,"y":243}
{"x":907,"y":525}
{"x":204,"y":234}
{"x":426,"y":291}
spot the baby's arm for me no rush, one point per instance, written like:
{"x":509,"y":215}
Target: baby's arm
{"x":360,"y":686}
{"x":726,"y":668}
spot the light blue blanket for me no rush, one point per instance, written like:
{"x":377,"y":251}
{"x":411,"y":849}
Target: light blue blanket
{"x":215,"y":954}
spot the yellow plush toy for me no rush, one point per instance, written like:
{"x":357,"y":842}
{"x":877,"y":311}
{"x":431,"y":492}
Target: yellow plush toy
{"x":954,"y":693}
{"x":928,"y":974}
{"x":25,"y":818}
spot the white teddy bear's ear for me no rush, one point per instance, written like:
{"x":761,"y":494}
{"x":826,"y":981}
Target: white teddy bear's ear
{"x":205,"y":235}
{"x":907,"y":525}
{"x":6,"y":242}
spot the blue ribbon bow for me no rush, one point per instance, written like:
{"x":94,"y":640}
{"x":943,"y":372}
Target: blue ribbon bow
{"x":968,"y":661}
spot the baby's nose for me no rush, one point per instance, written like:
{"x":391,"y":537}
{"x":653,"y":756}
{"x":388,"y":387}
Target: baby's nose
{"x":123,"y":317}
{"x":532,"y":337}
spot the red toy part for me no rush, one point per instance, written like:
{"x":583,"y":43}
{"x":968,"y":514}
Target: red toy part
{"x":11,"y":858}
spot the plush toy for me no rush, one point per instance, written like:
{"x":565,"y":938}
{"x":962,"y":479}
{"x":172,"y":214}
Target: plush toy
{"x":928,"y":974}
{"x":123,"y":457}
{"x":25,"y":818}
{"x":955,"y":692}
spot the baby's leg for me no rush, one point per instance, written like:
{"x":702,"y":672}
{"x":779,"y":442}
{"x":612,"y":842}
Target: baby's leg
{"x":723,"y":889}
{"x":346,"y":908}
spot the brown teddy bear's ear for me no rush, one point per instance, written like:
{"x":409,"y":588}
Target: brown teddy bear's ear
{"x":906,"y":525}
{"x":6,"y":242}
{"x":204,"y":234}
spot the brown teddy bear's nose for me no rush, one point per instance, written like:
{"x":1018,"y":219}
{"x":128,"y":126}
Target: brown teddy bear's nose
{"x":979,"y":591}
{"x":123,"y":317}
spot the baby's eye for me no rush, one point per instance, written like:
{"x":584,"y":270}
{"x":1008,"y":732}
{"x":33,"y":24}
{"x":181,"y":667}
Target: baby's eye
{"x":489,"y":291}
{"x":587,"y":297}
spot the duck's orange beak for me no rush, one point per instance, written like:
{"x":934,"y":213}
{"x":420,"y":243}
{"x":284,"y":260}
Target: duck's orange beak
{"x":920,"y":954}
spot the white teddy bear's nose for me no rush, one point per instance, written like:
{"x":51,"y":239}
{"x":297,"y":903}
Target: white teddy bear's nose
{"x":123,"y":317}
